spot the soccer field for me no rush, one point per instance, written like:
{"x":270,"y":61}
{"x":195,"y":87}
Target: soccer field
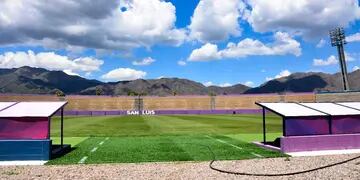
{"x":125,"y":139}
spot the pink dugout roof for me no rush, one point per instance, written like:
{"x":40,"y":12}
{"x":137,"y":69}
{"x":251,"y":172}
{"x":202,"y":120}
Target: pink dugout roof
{"x":30,"y":109}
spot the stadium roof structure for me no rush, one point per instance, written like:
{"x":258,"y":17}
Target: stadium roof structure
{"x":4,"y":105}
{"x":30,"y":109}
{"x":290,"y":109}
{"x":25,"y":130}
{"x":312,"y":109}
{"x":306,"y":119}
{"x":332,"y":109}
{"x":354,"y":105}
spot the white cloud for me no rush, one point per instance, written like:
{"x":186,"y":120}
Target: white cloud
{"x":50,"y":61}
{"x":329,"y":61}
{"x":123,"y":74}
{"x":283,"y":73}
{"x":181,"y":63}
{"x":70,"y":72}
{"x":355,"y":68}
{"x":206,"y":52}
{"x":102,"y":25}
{"x":353,"y":38}
{"x":216,"y":20}
{"x":305,"y":17}
{"x":321,"y":43}
{"x":249,"y":83}
{"x":332,"y":60}
{"x":282,"y":45}
{"x":209,"y":83}
{"x":225,"y":85}
{"x":349,"y":57}
{"x":145,"y":62}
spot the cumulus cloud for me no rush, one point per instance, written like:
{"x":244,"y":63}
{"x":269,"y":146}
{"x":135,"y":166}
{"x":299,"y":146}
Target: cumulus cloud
{"x":123,"y":74}
{"x":181,"y":63}
{"x":145,"y":62}
{"x":353,"y":38}
{"x":284,"y":44}
{"x":209,"y":83}
{"x":103,"y":25}
{"x":51,"y":61}
{"x":283,"y":73}
{"x":309,"y":18}
{"x":321,"y":43}
{"x":225,"y":84}
{"x":249,"y":83}
{"x":355,"y":68}
{"x":205,"y":53}
{"x":70,"y":72}
{"x":216,"y":20}
{"x":331,"y":60}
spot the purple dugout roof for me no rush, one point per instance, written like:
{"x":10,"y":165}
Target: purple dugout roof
{"x":30,"y":109}
{"x":313,"y":109}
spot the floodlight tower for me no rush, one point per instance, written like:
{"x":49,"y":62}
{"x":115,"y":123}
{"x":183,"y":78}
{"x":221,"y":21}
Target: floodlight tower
{"x":337,"y":37}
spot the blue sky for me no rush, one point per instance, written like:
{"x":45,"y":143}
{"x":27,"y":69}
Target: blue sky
{"x":214,"y":42}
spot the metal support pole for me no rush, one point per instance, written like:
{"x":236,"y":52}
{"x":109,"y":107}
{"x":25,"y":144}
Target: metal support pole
{"x":62,"y":127}
{"x":338,"y":39}
{"x":330,"y":124}
{"x":284,"y":126}
{"x":264,"y":126}
{"x":343,"y":67}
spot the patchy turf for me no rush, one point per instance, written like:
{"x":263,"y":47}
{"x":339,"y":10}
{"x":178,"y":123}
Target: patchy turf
{"x":164,"y":138}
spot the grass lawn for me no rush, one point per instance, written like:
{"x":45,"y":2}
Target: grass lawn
{"x":122,"y":139}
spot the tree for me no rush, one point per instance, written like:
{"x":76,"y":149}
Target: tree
{"x":98,"y":91}
{"x":212,"y":94}
{"x":59,"y":93}
{"x":132,"y":93}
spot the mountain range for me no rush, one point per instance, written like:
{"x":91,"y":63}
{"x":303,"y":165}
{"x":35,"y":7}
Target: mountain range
{"x":29,"y":80}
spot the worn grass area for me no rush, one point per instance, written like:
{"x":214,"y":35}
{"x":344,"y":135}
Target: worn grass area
{"x":164,"y":138}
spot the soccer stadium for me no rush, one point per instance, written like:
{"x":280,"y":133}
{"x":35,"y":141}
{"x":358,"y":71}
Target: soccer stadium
{"x":179,"y":89}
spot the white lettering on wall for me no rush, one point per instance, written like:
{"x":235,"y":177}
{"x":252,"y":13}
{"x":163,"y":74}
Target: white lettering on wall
{"x":143,"y":112}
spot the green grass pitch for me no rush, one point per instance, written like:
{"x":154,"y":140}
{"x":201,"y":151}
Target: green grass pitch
{"x":129,"y":139}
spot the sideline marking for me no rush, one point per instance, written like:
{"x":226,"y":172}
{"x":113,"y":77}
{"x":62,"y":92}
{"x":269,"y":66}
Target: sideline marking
{"x":94,"y":149}
{"x":101,"y":143}
{"x":106,"y":138}
{"x":257,"y":155}
{"x":82,"y":160}
{"x":224,"y":142}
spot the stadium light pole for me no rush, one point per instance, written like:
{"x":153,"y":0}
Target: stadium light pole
{"x":337,"y":37}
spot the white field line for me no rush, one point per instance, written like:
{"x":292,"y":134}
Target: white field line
{"x":94,"y":149}
{"x":82,"y":160}
{"x":224,"y":142}
{"x":257,"y":155}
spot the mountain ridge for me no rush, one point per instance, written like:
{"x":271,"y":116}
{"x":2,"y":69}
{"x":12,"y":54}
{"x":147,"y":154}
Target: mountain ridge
{"x":29,"y":80}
